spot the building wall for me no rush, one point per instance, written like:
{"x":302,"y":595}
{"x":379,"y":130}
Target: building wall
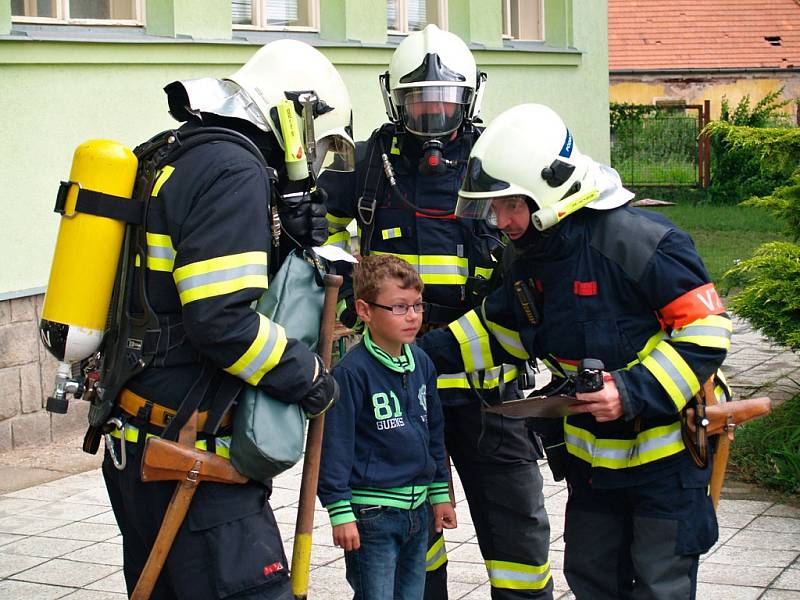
{"x":646,"y":89}
{"x":62,"y":86}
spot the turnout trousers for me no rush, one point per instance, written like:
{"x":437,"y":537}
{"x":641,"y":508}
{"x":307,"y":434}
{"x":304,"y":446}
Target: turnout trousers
{"x":496,"y":462}
{"x":636,"y":543}
{"x":228,"y":546}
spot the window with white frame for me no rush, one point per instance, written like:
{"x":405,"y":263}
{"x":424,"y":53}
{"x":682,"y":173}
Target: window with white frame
{"x":404,"y":16}
{"x":276,"y":14}
{"x":522,"y":19}
{"x":106,"y":12}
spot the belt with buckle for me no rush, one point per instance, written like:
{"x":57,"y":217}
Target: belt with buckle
{"x":160,"y":416}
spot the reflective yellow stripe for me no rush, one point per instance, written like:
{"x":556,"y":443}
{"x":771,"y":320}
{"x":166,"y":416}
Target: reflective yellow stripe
{"x":517,"y":576}
{"x":162,"y":179}
{"x":672,"y":372}
{"x":473,"y":340}
{"x":491,"y":379}
{"x":648,"y":446}
{"x":485,"y":272}
{"x":340,"y":239}
{"x":509,"y":340}
{"x":222,"y":445}
{"x":436,"y":555}
{"x":437,"y":269}
{"x":395,"y":148}
{"x":711,"y":332}
{"x":221,"y":275}
{"x":263,"y":354}
{"x":342,"y":222}
{"x":389,"y":234}
{"x":160,"y":253}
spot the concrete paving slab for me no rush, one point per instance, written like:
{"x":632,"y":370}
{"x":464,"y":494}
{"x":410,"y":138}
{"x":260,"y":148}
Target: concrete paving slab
{"x":780,"y":595}
{"x":749,"y":538}
{"x":43,"y":547}
{"x":789,"y":580}
{"x":115,"y":582}
{"x":735,"y":575}
{"x":752,"y":557}
{"x":10,"y":588}
{"x":67,"y":573}
{"x":102,"y":553}
{"x":777,"y":524}
{"x":11,"y":564}
{"x":715,"y":591}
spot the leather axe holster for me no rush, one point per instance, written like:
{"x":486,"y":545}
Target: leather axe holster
{"x":179,"y":461}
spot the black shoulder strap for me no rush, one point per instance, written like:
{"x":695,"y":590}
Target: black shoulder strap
{"x":367,"y":203}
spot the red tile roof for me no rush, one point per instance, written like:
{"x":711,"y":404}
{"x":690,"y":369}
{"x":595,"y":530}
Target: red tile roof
{"x":703,"y":34}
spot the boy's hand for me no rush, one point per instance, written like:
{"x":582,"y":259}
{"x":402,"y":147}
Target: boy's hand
{"x":346,"y":536}
{"x":444,"y":516}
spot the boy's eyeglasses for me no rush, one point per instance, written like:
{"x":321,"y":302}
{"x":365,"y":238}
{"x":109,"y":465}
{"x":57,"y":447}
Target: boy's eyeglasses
{"x":401,"y":309}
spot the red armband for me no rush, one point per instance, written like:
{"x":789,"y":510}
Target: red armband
{"x":693,"y":305}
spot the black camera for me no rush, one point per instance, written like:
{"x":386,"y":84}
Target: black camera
{"x":590,"y":376}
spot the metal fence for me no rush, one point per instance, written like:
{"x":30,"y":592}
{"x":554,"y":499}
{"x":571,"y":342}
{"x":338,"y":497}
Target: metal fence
{"x":661,"y":147}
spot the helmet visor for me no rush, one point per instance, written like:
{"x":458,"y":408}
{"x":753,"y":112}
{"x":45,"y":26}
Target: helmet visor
{"x":434,"y":110}
{"x":334,"y":153}
{"x":473,"y":208}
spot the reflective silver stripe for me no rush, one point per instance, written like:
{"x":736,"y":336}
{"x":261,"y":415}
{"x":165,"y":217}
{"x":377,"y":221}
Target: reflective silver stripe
{"x":705,"y":330}
{"x":443,"y":270}
{"x":473,"y":343}
{"x":672,"y":372}
{"x":221,"y":275}
{"x":517,"y":575}
{"x":273,"y":336}
{"x":161,"y":252}
{"x":436,"y":559}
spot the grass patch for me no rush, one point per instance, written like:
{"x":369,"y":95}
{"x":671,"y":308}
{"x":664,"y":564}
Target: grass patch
{"x":767,"y":450}
{"x":724,"y":234}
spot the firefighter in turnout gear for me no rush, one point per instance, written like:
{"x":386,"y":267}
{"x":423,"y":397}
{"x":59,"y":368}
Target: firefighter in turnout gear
{"x":402,"y":196}
{"x":591,"y":277}
{"x":211,"y":247}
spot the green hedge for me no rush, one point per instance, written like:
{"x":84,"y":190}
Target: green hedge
{"x":742,"y":163}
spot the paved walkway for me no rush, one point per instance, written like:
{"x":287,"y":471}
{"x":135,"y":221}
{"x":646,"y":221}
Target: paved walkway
{"x":59,"y":539}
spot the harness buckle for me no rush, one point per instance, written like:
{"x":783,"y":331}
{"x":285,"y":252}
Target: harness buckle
{"x":366,"y":210}
{"x":122,"y":460}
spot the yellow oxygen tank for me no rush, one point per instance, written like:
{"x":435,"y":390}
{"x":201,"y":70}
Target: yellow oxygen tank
{"x":86,"y":254}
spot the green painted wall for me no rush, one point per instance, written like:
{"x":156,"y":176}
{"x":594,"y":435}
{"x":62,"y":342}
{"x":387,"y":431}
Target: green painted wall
{"x":57,"y":94}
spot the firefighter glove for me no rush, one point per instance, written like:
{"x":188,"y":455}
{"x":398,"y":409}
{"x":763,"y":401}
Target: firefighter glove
{"x":302,"y":216}
{"x":323,"y":394}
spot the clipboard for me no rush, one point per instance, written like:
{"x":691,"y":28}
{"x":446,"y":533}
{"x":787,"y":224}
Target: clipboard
{"x":548,"y":407}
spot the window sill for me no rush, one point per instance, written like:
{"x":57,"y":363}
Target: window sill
{"x":78,"y":44}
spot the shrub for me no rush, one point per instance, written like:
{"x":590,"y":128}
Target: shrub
{"x":768,"y":112}
{"x":767,"y":451}
{"x":750,"y":161}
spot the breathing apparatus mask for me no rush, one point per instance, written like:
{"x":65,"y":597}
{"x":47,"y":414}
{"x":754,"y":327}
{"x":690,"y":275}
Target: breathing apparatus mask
{"x":527,"y":151}
{"x":432,"y":89}
{"x":292,"y":93}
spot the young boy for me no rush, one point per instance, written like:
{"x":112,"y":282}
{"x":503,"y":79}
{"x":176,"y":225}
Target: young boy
{"x":383,"y":452}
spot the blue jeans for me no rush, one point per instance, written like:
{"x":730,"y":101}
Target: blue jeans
{"x":390,"y":565}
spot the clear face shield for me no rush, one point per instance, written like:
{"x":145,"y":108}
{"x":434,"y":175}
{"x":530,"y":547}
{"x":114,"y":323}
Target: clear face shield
{"x":333,"y":153}
{"x":478,"y":192}
{"x":432,"y":111}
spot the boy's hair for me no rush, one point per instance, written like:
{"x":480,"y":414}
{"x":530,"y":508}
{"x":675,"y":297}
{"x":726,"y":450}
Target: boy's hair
{"x":372,"y":271}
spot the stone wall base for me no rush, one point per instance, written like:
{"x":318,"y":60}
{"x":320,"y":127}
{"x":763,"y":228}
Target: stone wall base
{"x":27,"y":376}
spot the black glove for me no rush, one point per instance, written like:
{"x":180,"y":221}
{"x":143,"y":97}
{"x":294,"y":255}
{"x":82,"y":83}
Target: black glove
{"x":302,"y":216}
{"x":323,"y":394}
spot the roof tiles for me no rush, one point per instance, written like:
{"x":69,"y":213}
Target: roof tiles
{"x":703,"y":34}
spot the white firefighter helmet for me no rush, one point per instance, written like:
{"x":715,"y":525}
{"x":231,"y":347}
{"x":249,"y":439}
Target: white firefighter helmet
{"x":528,"y":151}
{"x":432,"y":66}
{"x":282,"y":70}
